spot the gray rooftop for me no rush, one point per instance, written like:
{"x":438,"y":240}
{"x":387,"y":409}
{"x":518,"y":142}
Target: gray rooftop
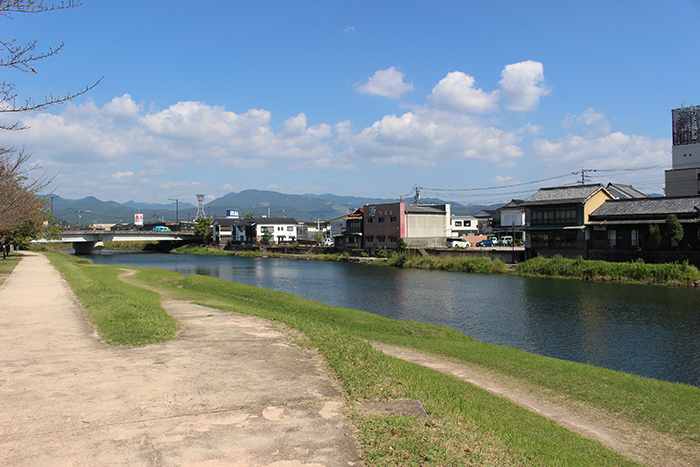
{"x":564,"y":194}
{"x":620,"y":191}
{"x":649,"y":206}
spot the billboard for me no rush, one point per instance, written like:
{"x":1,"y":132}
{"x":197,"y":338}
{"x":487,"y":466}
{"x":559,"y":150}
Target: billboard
{"x":138,"y":219}
{"x":686,"y":125}
{"x":232,"y":214}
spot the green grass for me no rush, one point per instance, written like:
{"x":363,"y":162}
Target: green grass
{"x":476,"y":264}
{"x":8,"y":264}
{"x":124,"y":314}
{"x":467,"y":425}
{"x":636,"y":271}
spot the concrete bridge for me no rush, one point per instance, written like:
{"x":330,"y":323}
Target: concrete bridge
{"x":91,"y":242}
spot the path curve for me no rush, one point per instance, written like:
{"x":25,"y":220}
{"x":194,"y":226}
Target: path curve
{"x":230,"y":390}
{"x":633,"y":441}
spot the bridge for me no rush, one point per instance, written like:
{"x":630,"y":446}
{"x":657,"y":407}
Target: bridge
{"x":91,"y":242}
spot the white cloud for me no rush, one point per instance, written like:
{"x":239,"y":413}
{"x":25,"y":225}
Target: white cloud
{"x":426,"y":137}
{"x":521,"y":85}
{"x":499,"y":180}
{"x":121,"y":133}
{"x":387,"y":83}
{"x":594,"y":123}
{"x":612,"y":151}
{"x":120,"y":175}
{"x":456,"y":92}
{"x":349,"y":29}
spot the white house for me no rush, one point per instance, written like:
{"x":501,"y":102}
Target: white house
{"x":462,"y":226}
{"x":279,"y":229}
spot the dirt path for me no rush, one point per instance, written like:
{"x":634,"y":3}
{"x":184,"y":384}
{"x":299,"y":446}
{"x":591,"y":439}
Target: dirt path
{"x":633,"y":441}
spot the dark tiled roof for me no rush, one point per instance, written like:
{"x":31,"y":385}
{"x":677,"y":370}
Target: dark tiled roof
{"x":274,"y":220}
{"x":621,"y":191}
{"x":486,"y":213}
{"x":649,"y":206}
{"x":564,"y":194}
{"x":227,"y":222}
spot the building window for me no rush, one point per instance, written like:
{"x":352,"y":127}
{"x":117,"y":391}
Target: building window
{"x":381,"y":238}
{"x":393,"y":239}
{"x":381,"y":220}
{"x":369,"y":238}
{"x":290,"y":228}
{"x":467,"y":223}
{"x":555,"y":215}
{"x":635,"y":237}
{"x":393,"y":219}
{"x":458,"y":223}
{"x":370,"y":220}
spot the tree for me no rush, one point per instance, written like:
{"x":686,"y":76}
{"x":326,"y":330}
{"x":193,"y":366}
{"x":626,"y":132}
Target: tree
{"x":23,"y":57}
{"x":21,"y":213}
{"x":202,"y":230}
{"x":675,"y":229}
{"x":654,"y":237}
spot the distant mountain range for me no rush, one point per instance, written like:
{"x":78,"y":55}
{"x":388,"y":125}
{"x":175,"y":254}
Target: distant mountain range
{"x":307,"y":207}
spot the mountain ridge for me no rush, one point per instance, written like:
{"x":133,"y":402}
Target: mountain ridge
{"x":306,"y":207}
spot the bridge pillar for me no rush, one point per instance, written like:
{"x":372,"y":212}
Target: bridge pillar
{"x":88,"y":248}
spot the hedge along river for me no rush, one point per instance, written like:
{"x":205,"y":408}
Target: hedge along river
{"x":652,"y":331}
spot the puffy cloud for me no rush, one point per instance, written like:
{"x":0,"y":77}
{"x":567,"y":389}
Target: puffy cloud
{"x":520,"y":89}
{"x":594,"y":123}
{"x":387,"y":83}
{"x":456,"y":92}
{"x":426,"y":137}
{"x":612,"y":151}
{"x":521,"y":85}
{"x":187,"y":131}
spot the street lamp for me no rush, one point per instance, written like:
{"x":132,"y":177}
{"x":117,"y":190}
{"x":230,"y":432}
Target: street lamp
{"x":177,"y":212}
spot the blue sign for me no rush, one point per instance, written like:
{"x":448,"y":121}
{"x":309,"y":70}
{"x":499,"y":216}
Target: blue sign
{"x":231,"y":214}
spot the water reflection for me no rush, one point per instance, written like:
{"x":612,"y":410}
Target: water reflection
{"x":650,"y":331}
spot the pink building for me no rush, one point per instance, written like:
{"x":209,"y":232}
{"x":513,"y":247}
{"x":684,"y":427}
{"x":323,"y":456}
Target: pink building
{"x":384,"y":225}
{"x":419,"y":225}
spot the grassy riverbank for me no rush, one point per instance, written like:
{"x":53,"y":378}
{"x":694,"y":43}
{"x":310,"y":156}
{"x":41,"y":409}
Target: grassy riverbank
{"x":7,"y":265}
{"x":124,"y":314}
{"x":467,"y":426}
{"x":638,"y":271}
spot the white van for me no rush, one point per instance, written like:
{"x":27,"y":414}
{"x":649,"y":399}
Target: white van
{"x":507,"y":240}
{"x":457,"y":242}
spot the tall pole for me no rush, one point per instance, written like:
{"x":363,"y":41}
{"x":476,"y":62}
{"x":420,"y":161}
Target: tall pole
{"x":52,"y":197}
{"x":177,"y":212}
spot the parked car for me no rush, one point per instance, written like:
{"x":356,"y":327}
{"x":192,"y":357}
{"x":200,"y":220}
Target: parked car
{"x":484,"y":243}
{"x":161,"y":228}
{"x":507,"y":240}
{"x":457,"y":242}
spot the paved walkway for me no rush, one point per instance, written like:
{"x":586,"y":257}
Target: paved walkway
{"x":229,"y":391}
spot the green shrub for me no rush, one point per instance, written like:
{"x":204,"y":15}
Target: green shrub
{"x":637,"y":271}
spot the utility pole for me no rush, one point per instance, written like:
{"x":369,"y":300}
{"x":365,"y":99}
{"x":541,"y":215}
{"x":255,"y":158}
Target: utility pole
{"x":585,"y":178}
{"x":416,"y":197}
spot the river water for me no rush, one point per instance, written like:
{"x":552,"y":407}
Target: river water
{"x":650,"y":331}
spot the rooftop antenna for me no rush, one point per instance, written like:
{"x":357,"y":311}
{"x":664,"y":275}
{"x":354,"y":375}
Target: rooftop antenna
{"x":200,"y":208}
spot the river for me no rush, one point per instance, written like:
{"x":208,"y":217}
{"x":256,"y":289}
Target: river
{"x":652,"y":331}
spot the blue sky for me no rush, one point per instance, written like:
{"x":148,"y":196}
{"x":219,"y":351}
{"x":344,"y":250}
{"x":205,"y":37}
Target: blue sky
{"x":360,"y":98}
